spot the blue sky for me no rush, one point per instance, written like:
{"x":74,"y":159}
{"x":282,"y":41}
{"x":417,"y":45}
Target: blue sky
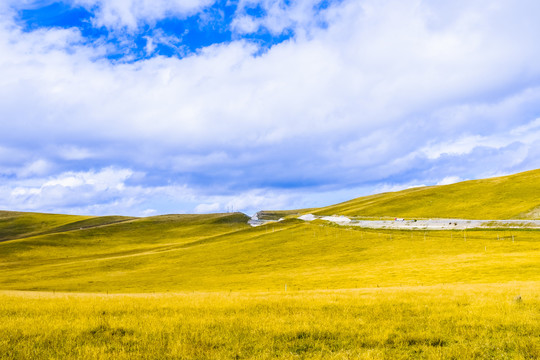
{"x":143,"y":107}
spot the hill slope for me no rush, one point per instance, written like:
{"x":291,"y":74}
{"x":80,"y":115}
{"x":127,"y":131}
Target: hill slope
{"x":19,"y":224}
{"x":221,"y":252}
{"x":402,"y":294}
{"x":507,"y":197}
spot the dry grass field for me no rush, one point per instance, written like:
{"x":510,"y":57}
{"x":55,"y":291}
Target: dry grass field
{"x":430,"y":322}
{"x":212,"y":287}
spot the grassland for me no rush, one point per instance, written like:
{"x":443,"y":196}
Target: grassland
{"x":15,"y":225}
{"x":507,"y":197}
{"x":212,"y":287}
{"x":440,"y":322}
{"x":222,"y":253}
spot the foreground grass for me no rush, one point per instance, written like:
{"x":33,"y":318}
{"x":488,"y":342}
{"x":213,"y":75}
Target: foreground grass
{"x":438,"y":322}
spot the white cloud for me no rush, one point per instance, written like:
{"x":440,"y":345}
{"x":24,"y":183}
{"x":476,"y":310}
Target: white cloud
{"x":527,"y":134}
{"x":105,"y":191}
{"x":73,"y":152}
{"x":149,"y":212}
{"x":337,"y":81}
{"x":158,"y":37}
{"x":449,"y":180}
{"x":244,"y":24}
{"x":105,"y":179}
{"x":39,"y":167}
{"x":68,"y":189}
{"x":250,"y":201}
{"x":278,"y":16}
{"x":129,"y":14}
{"x":207,"y":208}
{"x":396,"y":92}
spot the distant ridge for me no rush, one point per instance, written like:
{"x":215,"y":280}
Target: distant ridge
{"x":19,"y":225}
{"x":506,"y":197}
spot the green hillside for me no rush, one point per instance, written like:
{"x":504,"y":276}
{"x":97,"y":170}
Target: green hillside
{"x":507,"y":197}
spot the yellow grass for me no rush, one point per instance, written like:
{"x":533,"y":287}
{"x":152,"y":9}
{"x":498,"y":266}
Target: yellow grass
{"x":437,"y":322}
{"x":507,"y":197}
{"x":212,"y":287}
{"x":185,"y":255}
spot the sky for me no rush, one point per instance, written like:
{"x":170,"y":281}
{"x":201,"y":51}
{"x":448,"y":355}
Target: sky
{"x":147,"y":107}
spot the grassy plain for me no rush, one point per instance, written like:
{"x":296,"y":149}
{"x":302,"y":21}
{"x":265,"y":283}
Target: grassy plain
{"x":212,"y":287}
{"x":222,"y":253}
{"x":437,"y":322}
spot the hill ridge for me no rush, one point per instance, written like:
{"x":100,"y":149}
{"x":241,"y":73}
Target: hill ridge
{"x":515,"y":196}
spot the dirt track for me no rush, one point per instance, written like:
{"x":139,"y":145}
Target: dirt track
{"x":435,"y":224}
{"x":423,"y":224}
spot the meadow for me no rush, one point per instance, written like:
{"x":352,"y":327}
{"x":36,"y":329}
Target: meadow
{"x":435,"y":322}
{"x":210,"y":287}
{"x":222,"y":253}
{"x":213,"y":287}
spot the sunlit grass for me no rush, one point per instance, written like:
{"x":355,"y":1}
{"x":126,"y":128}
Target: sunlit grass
{"x":508,"y":197}
{"x":212,"y":287}
{"x":440,"y":322}
{"x":207,"y":256}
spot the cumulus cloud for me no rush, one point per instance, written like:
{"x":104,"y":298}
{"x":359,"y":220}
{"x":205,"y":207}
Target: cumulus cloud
{"x":370,"y":92}
{"x":278,"y":16}
{"x":69,"y":189}
{"x":130,"y":14}
{"x":109,"y":191}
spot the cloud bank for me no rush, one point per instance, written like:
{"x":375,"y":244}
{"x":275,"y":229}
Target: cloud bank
{"x":362,"y":95}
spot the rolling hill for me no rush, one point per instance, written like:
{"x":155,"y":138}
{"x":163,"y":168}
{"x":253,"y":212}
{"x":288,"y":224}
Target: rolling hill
{"x":507,"y":197}
{"x":221,"y":251}
{"x":213,"y":287}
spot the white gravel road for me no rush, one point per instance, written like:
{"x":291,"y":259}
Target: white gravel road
{"x":428,"y":224}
